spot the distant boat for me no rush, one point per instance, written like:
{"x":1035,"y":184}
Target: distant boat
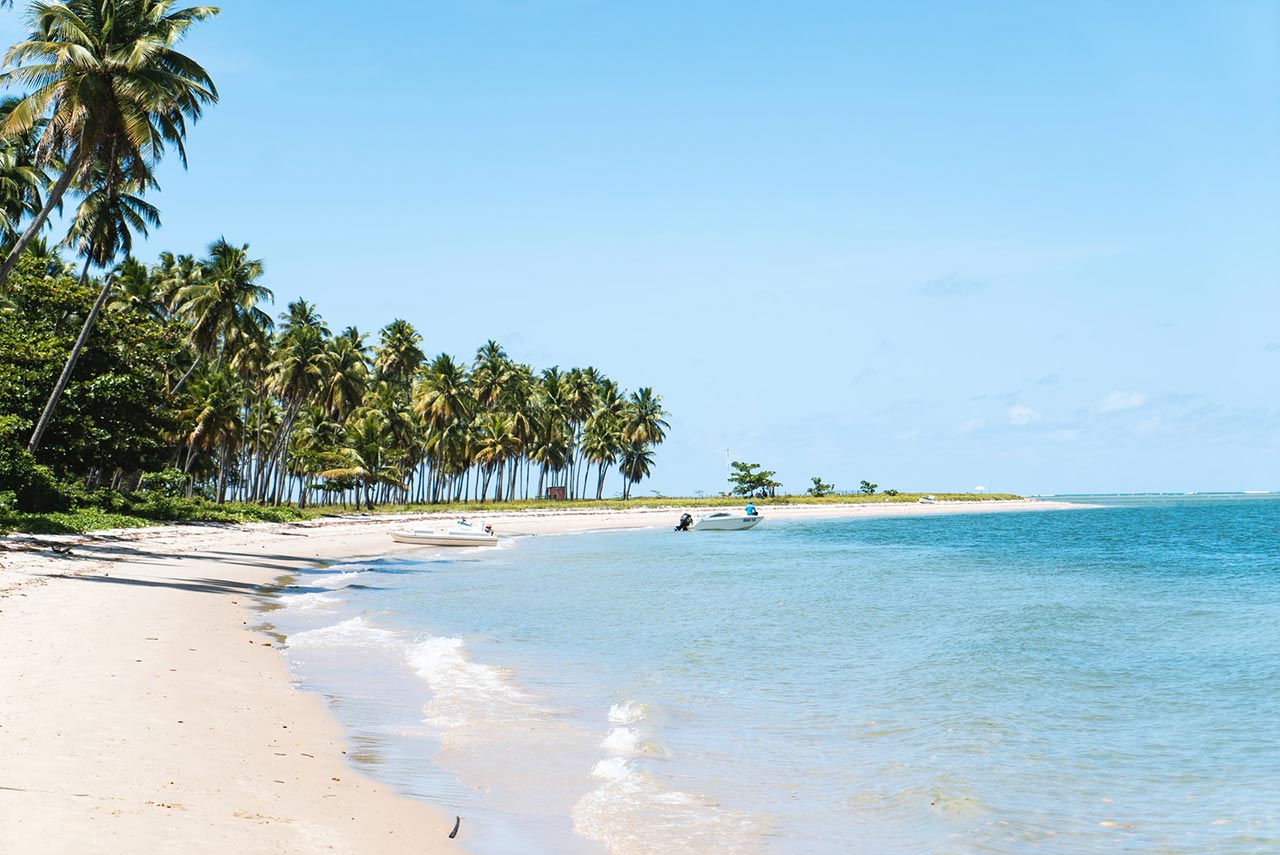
{"x":722,"y":521}
{"x":927,"y":500}
{"x":462,"y":535}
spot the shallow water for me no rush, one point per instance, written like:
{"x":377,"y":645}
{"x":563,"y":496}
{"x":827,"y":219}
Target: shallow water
{"x":1078,"y":682}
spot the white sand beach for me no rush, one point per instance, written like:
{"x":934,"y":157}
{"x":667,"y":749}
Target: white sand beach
{"x":145,"y":708}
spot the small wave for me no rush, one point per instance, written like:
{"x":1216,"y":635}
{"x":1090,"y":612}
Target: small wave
{"x":305,"y":602}
{"x":330,"y":582}
{"x":353,"y":633}
{"x":622,"y":742}
{"x":627,"y":712}
{"x":631,"y":813}
{"x":467,"y":693}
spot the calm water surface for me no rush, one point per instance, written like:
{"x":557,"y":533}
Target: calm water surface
{"x":1096,"y":680}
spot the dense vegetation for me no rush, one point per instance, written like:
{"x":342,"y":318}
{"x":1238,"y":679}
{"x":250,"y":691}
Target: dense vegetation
{"x":186,"y":386}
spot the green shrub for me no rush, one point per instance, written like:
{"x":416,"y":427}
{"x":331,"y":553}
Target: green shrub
{"x":33,"y":486}
{"x":170,"y":482}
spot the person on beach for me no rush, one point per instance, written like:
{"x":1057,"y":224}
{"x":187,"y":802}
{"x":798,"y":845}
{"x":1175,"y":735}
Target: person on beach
{"x":751,"y":509}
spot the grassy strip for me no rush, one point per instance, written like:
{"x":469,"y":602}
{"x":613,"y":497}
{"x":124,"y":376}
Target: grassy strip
{"x":155,"y":510}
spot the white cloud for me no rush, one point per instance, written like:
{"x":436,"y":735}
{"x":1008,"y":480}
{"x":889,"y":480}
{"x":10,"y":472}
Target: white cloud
{"x":1020,"y":414}
{"x":1119,"y":401}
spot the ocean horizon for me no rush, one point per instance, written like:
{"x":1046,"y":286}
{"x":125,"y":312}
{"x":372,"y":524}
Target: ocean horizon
{"x":1077,"y":681}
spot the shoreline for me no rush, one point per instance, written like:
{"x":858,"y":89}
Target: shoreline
{"x":147,"y":709}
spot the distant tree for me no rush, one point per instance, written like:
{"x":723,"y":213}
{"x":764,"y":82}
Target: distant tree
{"x":747,"y":479}
{"x":867,"y":488}
{"x":891,"y":492}
{"x":820,"y":489}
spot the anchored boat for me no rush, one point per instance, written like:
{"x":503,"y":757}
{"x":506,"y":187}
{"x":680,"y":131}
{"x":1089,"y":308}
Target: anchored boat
{"x":460,"y":535}
{"x":722,"y":521}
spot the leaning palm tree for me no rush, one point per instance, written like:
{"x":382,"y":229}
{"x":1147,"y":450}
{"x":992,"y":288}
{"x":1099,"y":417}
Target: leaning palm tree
{"x":102,"y":229}
{"x":109,"y":87}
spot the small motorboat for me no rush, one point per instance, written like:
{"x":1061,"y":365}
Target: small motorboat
{"x":722,"y":521}
{"x":459,"y":535}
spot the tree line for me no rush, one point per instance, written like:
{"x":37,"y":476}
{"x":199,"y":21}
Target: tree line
{"x":178,"y":365}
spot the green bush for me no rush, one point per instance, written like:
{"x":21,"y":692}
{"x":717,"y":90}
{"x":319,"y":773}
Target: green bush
{"x":34,"y":488}
{"x":171,"y":482}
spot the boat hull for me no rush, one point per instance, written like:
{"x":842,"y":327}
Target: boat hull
{"x":726,"y":522}
{"x":430,"y":538}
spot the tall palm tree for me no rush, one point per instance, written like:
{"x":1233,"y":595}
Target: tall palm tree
{"x":297,"y":374}
{"x":490,"y":374}
{"x":109,"y":87}
{"x":399,"y":355}
{"x":644,"y":419}
{"x":217,"y":422}
{"x":222,"y":302}
{"x":635,"y":464}
{"x":135,"y":291}
{"x":348,"y":379}
{"x":365,"y":457}
{"x":173,"y":274}
{"x":103,"y":228}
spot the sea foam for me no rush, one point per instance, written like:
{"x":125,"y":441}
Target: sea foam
{"x":355,"y":633}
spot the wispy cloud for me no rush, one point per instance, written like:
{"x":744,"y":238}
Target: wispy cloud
{"x":1020,"y":414}
{"x":1271,"y":345}
{"x":951,"y":285}
{"x":1120,"y":401}
{"x":971,"y":425}
{"x":1047,"y":380}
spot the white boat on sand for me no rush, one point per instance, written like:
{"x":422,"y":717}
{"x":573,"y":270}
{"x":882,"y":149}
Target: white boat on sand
{"x":722,"y":521}
{"x":457,"y":536}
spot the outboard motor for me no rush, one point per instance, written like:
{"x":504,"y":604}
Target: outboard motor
{"x":685,"y":522}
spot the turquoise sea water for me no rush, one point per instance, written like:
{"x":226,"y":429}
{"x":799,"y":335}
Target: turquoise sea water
{"x":1094,"y":680}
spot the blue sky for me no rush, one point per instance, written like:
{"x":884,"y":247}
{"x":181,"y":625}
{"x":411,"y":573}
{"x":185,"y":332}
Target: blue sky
{"x":1034,"y":247}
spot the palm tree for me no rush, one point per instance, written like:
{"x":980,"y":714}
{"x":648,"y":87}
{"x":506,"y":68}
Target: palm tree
{"x":217,"y":421}
{"x":635,"y":464}
{"x":643,"y":421}
{"x":109,"y":87}
{"x":297,"y":374}
{"x":222,"y":302}
{"x":444,"y":400}
{"x":21,"y":178}
{"x":103,"y":228}
{"x":490,"y":373}
{"x":399,"y":354}
{"x":365,"y":457}
{"x":173,"y":274}
{"x":135,"y":290}
{"x":348,"y":379}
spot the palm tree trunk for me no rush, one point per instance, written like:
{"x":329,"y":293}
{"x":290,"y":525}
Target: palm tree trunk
{"x":51,"y":201}
{"x":178,"y":385}
{"x":65,"y":377}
